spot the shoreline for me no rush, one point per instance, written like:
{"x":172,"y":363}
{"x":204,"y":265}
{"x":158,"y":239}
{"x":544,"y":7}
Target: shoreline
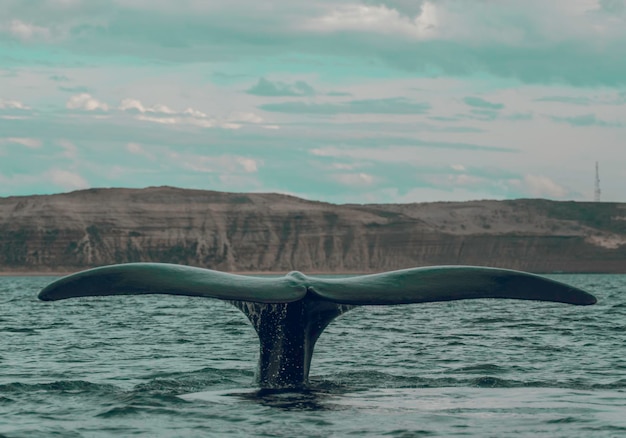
{"x":277,"y":273}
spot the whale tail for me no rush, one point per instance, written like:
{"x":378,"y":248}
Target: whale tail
{"x":289,"y":313}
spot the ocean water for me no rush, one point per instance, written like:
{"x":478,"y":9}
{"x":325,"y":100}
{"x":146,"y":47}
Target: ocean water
{"x":169,"y":366}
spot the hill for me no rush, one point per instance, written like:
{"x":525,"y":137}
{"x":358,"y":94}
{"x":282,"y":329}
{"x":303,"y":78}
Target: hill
{"x":256,"y":232}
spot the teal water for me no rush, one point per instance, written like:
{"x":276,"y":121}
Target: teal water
{"x":178,"y":366}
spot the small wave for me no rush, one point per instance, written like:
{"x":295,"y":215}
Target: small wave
{"x":6,"y":401}
{"x":355,"y":381}
{"x":480,"y":368}
{"x":406,"y":433}
{"x":188,"y":382}
{"x":64,"y":386}
{"x":142,"y":406}
{"x":18,"y":330}
{"x":489,"y":320}
{"x":455,"y":343}
{"x":568,"y":420}
{"x":119,"y":411}
{"x":621,"y":431}
{"x":618,"y":384}
{"x":549,"y":348}
{"x":490,"y":382}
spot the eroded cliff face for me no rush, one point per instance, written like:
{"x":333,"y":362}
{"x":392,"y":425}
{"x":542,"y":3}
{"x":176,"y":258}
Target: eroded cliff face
{"x":278,"y":233}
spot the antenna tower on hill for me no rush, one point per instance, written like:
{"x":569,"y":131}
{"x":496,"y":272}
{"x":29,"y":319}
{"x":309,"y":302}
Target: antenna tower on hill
{"x":597,"y":192}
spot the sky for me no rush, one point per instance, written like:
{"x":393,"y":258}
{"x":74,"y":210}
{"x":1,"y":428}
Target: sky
{"x":344,"y":101}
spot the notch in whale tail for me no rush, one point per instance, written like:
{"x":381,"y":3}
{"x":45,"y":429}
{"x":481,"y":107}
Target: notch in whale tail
{"x":289,"y":313}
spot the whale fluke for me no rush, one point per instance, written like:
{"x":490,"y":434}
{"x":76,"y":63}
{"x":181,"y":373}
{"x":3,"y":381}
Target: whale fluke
{"x":170,"y":279}
{"x":445,"y":283}
{"x":289,"y":313}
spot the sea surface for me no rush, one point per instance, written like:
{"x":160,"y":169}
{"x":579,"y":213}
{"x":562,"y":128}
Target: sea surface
{"x":167,"y":366}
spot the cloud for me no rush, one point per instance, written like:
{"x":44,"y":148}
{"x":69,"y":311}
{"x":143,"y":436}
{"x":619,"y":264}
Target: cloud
{"x":59,"y":78}
{"x":189,"y":121}
{"x":26,"y":31}
{"x":393,"y":147}
{"x":245,"y":117}
{"x":540,"y":186}
{"x":566,"y":99}
{"x":194,"y":113}
{"x":355,"y":179}
{"x":586,"y":120}
{"x":70,"y":150}
{"x":85,"y":101}
{"x":482,"y":114}
{"x":515,"y":117}
{"x":409,"y":8}
{"x":466,"y":180}
{"x":489,"y":182}
{"x":201,"y":122}
{"x":266,"y":87}
{"x":224,"y":164}
{"x":612,"y":6}
{"x":610,"y":99}
{"x":13,"y":104}
{"x":13,"y":110}
{"x":77,"y":89}
{"x":249,"y":165}
{"x":67,"y":180}
{"x":392,"y":105}
{"x":458,"y":167}
{"x":391,"y":154}
{"x":479,"y":102}
{"x":165,"y":115}
{"x":339,"y":94}
{"x":31,"y":143}
{"x":65,"y":3}
{"x":136,"y":105}
{"x":506,"y":39}
{"x":170,"y":120}
{"x":378,"y":19}
{"x":161,"y":92}
{"x":137,"y":149}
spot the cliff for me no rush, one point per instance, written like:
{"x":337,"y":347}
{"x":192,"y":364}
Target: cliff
{"x":271,"y":232}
